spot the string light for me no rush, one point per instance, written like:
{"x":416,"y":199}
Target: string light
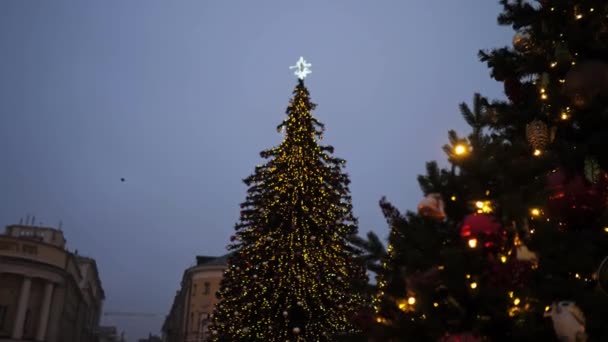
{"x":483,"y":207}
{"x":460,"y":149}
{"x":473,"y":285}
{"x":435,"y":304}
{"x":503,"y":259}
{"x":473,"y":243}
{"x":516,"y":301}
{"x":535,"y":212}
{"x":453,"y":198}
{"x":537,"y":152}
{"x":411,"y":301}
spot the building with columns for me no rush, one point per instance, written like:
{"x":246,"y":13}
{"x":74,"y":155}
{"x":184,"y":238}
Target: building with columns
{"x":193,"y":303}
{"x":47,"y":293}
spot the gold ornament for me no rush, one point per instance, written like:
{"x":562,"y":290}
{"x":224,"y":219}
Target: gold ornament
{"x":522,"y":41}
{"x":539,"y":135}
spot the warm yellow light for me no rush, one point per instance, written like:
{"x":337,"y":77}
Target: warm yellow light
{"x":579,"y":17}
{"x":510,"y":294}
{"x":503,"y":259}
{"x":460,"y":149}
{"x":554,"y":64}
{"x":483,"y":207}
{"x":402,"y":306}
{"x":411,"y":301}
{"x":379,"y":319}
{"x":537,"y":152}
{"x":606,"y":229}
{"x":516,"y":301}
{"x":435,"y":304}
{"x":472,"y":243}
{"x":468,"y":276}
{"x":577,"y":276}
{"x":547,"y":308}
{"x":564,"y":116}
{"x":453,"y":198}
{"x":544,"y":96}
{"x":535,"y":212}
{"x":473,"y":285}
{"x":591,"y":9}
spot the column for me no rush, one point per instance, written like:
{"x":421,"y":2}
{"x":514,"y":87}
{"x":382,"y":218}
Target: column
{"x":24,"y":297}
{"x":44,"y":311}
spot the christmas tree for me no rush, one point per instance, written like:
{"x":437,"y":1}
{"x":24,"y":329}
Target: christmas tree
{"x":294,"y":275}
{"x":510,"y":241}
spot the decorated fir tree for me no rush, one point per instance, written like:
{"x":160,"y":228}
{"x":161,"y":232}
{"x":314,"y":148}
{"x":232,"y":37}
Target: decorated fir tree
{"x":510,"y":242}
{"x":293,"y":274}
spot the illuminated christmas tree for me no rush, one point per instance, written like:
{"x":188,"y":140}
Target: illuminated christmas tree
{"x":510,"y":241}
{"x":293,"y":275}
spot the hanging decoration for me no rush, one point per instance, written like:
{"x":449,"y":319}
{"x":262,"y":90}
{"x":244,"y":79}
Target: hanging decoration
{"x":568,"y":321}
{"x":593,"y":172}
{"x":432,"y":206}
{"x":522,"y":41}
{"x":574,"y":200}
{"x":482,"y":230}
{"x":585,"y":81}
{"x":522,"y":253}
{"x":539,"y":135}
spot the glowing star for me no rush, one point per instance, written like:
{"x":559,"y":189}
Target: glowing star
{"x":302,"y":68}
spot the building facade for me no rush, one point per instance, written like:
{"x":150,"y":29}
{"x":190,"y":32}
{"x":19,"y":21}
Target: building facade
{"x":193,"y":303}
{"x":47,"y":293}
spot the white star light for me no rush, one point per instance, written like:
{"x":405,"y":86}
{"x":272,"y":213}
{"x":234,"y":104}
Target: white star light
{"x":302,"y":68}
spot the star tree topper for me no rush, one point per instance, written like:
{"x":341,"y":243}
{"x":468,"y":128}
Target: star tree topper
{"x":302,"y":68}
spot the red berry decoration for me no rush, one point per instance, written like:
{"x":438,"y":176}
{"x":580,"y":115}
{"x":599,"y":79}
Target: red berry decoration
{"x":574,"y":200}
{"x":482,"y":230}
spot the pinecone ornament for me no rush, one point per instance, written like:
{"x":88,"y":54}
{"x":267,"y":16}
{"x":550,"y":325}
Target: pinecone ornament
{"x":539,"y":135}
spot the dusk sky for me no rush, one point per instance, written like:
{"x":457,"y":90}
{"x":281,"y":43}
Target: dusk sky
{"x":179,"y":98}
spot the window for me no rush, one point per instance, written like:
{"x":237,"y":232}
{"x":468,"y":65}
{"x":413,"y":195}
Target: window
{"x":3,"y":310}
{"x":206,"y":288}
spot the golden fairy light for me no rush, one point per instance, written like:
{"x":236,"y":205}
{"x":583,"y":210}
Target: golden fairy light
{"x":460,"y":149}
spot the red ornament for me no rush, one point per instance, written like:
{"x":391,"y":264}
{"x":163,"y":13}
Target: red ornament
{"x":574,"y":200}
{"x":460,"y":337}
{"x":482,"y":230}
